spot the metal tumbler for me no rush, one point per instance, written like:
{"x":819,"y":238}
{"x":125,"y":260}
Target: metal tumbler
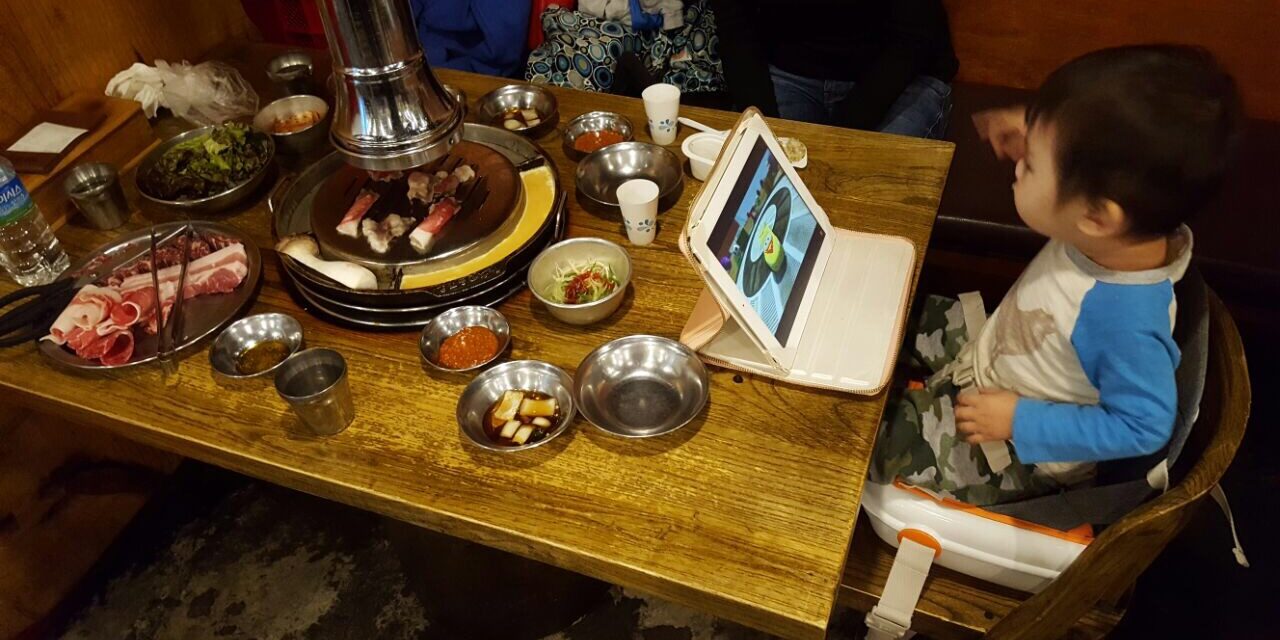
{"x":292,"y":73}
{"x":314,"y":384}
{"x":96,"y":191}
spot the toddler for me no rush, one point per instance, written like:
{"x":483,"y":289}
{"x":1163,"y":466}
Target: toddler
{"x":1114,"y":154}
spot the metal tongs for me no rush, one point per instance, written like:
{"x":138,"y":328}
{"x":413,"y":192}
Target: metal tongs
{"x":169,"y":329}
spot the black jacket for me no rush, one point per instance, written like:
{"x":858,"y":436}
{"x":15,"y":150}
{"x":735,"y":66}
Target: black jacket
{"x":881,"y":45}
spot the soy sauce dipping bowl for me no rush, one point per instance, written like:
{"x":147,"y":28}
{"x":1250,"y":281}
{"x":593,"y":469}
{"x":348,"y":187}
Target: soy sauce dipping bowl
{"x":594,"y":121}
{"x":524,"y":375}
{"x":492,"y":105}
{"x":248,"y":332}
{"x":641,"y":386}
{"x":454,"y":320}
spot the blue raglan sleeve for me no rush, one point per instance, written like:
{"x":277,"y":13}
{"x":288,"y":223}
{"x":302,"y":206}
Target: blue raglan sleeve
{"x":1122,"y":337}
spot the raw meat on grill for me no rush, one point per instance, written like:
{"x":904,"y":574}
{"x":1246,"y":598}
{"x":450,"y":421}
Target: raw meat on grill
{"x":385,"y":176}
{"x":440,"y":214}
{"x":381,"y":234}
{"x":420,"y":186}
{"x":350,"y":225}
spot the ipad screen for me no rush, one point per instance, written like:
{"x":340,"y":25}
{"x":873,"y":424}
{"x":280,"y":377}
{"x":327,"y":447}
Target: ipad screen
{"x":768,"y":241}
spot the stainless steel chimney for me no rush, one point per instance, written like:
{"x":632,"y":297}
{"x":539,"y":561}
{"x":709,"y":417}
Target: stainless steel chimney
{"x":390,"y":112}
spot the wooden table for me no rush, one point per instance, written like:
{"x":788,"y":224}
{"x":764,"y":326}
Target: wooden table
{"x":746,"y":514}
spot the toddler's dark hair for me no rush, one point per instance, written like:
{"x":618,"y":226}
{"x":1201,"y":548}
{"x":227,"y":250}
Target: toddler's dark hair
{"x":1148,"y":127}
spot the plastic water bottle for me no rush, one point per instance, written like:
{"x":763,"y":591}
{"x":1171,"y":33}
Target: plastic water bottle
{"x":28,"y":249}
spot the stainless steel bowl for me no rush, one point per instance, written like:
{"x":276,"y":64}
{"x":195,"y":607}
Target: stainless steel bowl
{"x":641,"y":386}
{"x":292,"y":72}
{"x":455,"y":320}
{"x":245,"y":333}
{"x":602,"y":172}
{"x":579,"y":250}
{"x":492,"y":105}
{"x":594,"y":121}
{"x":302,"y":141}
{"x":526,"y":375}
{"x":230,"y":197}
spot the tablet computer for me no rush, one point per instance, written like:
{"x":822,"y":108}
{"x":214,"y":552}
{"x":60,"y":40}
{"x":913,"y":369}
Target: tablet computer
{"x":770,"y":239}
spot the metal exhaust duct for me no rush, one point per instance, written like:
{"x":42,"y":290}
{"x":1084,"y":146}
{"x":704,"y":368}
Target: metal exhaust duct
{"x":390,"y":112}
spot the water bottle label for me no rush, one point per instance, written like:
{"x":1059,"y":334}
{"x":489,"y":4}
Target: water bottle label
{"x":14,"y":201}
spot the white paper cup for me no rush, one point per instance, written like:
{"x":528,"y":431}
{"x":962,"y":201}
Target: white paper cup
{"x":638,"y":200}
{"x":662,"y":107}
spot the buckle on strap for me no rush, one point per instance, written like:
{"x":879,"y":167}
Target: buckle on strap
{"x":890,"y":619}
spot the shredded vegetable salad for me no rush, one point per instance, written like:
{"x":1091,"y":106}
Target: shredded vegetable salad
{"x":582,"y":282}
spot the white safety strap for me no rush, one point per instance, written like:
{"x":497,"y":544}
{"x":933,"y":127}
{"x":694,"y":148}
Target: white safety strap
{"x":975,"y":316}
{"x":1220,"y":497}
{"x":890,"y":619}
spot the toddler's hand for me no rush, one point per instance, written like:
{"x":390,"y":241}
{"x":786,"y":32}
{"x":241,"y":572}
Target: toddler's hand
{"x":985,"y":415}
{"x":1005,"y":129}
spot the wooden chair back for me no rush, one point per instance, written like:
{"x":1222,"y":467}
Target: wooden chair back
{"x":1086,"y":600}
{"x":1109,"y":567}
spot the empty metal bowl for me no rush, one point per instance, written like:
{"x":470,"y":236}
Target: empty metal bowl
{"x":602,"y":172}
{"x":301,"y":141}
{"x":641,"y":386}
{"x":594,"y":121}
{"x":542,"y":274}
{"x":494,"y":104}
{"x":523,"y":375}
{"x":455,"y":320}
{"x":248,"y":332}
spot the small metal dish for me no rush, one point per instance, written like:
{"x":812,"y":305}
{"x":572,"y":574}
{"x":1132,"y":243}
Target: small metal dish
{"x":302,"y":141}
{"x":229,"y":197}
{"x":601,"y":173}
{"x":292,"y":72}
{"x":455,"y":320}
{"x":248,"y":332}
{"x":641,"y":386}
{"x":492,"y":105}
{"x":591,"y":122}
{"x":578,"y":250}
{"x":526,"y":375}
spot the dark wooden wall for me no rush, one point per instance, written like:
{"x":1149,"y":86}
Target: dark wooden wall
{"x":50,"y":49}
{"x":1018,"y":42}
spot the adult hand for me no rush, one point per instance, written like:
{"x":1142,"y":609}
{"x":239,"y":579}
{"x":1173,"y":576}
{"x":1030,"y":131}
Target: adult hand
{"x":1005,"y":129}
{"x":985,"y":415}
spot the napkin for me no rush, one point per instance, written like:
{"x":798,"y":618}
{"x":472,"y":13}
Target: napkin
{"x":47,"y":137}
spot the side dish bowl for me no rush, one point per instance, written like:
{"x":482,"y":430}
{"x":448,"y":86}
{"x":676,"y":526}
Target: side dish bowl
{"x":525,"y":375}
{"x":542,"y":277}
{"x":225,"y":199}
{"x":454,"y":320}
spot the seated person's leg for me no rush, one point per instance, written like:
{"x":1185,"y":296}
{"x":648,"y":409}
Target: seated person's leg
{"x":921,"y":111}
{"x":799,"y":98}
{"x":939,"y":333}
{"x":918,"y":443}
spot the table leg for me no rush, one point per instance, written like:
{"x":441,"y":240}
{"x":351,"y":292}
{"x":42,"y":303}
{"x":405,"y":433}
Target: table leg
{"x":472,"y":591}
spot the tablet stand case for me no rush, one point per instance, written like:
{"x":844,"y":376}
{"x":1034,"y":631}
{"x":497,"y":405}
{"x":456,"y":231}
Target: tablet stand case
{"x":855,"y":326}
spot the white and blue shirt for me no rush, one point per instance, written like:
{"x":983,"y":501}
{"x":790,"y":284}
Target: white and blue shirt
{"x":1091,"y":353}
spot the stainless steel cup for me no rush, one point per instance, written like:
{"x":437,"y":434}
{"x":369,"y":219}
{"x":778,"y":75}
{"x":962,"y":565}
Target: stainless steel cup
{"x":314,"y":384}
{"x":96,"y":191}
{"x":292,"y":73}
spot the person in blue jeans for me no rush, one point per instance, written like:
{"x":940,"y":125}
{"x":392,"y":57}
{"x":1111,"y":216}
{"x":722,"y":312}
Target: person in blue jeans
{"x":878,"y":65}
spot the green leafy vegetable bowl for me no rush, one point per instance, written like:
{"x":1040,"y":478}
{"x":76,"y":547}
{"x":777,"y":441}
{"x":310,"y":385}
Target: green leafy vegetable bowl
{"x":207,"y":169}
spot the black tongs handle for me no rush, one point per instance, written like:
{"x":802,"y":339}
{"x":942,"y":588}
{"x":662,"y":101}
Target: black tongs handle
{"x":29,"y":320}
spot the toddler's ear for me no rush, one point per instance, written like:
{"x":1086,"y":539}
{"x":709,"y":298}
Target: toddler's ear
{"x":1103,"y":219}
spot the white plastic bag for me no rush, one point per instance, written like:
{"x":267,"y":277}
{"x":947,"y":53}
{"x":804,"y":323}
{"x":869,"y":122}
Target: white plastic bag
{"x":206,"y":93}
